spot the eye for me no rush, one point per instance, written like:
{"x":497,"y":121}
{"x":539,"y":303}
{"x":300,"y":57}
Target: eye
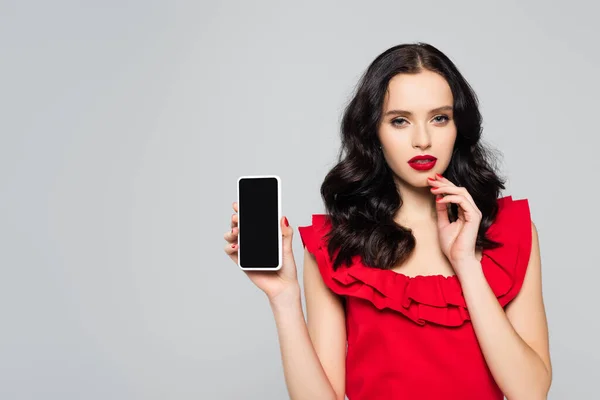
{"x":397,"y":121}
{"x":444,"y":118}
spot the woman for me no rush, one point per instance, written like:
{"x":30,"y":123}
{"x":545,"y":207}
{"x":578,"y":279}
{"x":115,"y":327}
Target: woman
{"x":420,"y":282}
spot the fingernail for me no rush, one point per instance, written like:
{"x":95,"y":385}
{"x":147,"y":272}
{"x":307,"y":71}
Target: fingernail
{"x":438,"y":175}
{"x":233,"y":246}
{"x":430,"y":179}
{"x":439,"y":198}
{"x":285,"y":221}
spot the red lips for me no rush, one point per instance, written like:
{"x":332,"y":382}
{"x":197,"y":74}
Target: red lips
{"x":422,"y":162}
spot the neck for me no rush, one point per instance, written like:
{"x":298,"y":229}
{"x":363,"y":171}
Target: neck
{"x":418,"y":205}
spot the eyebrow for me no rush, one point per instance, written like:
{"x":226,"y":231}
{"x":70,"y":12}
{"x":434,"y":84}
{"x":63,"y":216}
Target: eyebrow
{"x":403,"y":112}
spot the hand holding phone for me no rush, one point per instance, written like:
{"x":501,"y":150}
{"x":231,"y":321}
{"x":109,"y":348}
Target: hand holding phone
{"x":260,"y":241}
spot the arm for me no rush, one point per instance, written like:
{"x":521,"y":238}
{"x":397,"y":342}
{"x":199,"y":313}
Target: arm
{"x":313,"y":352}
{"x":514,"y":343}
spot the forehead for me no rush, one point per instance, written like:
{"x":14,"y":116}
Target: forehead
{"x":417,"y":92}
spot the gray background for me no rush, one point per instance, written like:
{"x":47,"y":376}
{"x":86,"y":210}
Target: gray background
{"x":124,"y":126}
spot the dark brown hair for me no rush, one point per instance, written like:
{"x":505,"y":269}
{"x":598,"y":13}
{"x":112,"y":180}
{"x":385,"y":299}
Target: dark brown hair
{"x":359,"y":192}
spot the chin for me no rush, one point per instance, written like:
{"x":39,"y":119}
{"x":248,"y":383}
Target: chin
{"x":421,"y":177}
{"x":416,"y":179}
{"x":416,"y":182}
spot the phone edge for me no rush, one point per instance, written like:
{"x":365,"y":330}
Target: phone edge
{"x":279,"y":214}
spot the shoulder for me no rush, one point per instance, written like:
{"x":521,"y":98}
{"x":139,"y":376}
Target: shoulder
{"x":512,"y":221}
{"x":514,"y":229}
{"x":312,"y":235}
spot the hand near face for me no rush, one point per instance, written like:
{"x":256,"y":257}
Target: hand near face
{"x":458,"y":238}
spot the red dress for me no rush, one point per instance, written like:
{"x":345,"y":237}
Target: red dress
{"x":411,"y":337}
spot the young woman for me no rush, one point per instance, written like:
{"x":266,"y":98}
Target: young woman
{"x":420,"y":281}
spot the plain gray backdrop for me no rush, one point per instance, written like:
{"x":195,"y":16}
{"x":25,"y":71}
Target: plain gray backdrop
{"x":124,"y":125}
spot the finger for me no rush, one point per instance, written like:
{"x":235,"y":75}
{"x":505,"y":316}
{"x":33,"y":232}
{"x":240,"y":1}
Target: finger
{"x":435,"y":182}
{"x":235,"y":206}
{"x":439,"y":182}
{"x":442,"y":213}
{"x":445,"y":189}
{"x":232,"y":235}
{"x":447,"y":182}
{"x":234,"y":220}
{"x":231,"y":249}
{"x":288,"y":234}
{"x":442,"y":179}
{"x":472,"y":214}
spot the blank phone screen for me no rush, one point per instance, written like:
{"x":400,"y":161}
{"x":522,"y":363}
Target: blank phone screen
{"x":258,"y":217}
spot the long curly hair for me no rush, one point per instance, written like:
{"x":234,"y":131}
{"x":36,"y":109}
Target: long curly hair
{"x":359,"y":192}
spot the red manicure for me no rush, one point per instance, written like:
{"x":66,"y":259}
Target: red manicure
{"x":285,"y":221}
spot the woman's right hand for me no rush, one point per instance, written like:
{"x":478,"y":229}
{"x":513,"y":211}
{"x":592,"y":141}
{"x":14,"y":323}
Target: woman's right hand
{"x":278,"y":285}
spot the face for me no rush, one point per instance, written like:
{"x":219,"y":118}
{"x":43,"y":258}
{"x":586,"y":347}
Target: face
{"x":417,"y":120}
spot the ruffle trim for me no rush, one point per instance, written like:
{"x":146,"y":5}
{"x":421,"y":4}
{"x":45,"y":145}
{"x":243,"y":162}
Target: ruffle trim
{"x":431,"y":298}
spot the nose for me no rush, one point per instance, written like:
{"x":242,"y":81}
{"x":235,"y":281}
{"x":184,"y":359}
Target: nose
{"x":421,"y":138}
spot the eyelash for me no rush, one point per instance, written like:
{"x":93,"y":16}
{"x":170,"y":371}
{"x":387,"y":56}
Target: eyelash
{"x":394,"y":121}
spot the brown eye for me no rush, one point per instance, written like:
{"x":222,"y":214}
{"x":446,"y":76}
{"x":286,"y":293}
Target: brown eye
{"x":444,"y":118}
{"x":397,"y":121}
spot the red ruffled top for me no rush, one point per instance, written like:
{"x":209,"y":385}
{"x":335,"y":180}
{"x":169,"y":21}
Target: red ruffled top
{"x":411,"y":337}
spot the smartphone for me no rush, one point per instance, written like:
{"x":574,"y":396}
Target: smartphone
{"x":259,"y":213}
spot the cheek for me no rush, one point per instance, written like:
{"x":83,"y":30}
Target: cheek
{"x":445,"y":149}
{"x":395,"y":141}
{"x":397,"y":157}
{"x":447,"y":140}
{"x":448,"y":143}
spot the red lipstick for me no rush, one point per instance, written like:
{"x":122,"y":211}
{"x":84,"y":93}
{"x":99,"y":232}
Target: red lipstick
{"x":422,"y":163}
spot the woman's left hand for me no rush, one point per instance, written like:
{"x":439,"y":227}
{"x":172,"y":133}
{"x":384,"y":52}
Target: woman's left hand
{"x":457,"y":238}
